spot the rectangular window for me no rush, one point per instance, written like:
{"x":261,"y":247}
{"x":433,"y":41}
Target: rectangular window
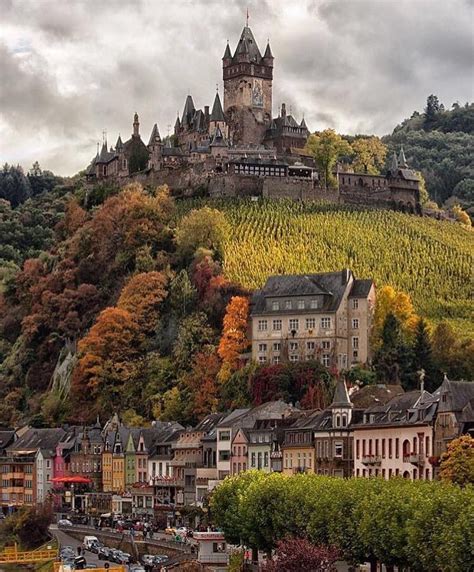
{"x":326,"y":323}
{"x":262,"y":359}
{"x":326,"y":360}
{"x":294,"y":324}
{"x":326,"y":345}
{"x":277,"y":325}
{"x":314,"y":304}
{"x":355,"y":343}
{"x":276,"y":359}
{"x":397,"y":448}
{"x":300,"y":304}
{"x":357,"y":449}
{"x":253,"y":458}
{"x":338,"y":449}
{"x":276,"y":346}
{"x":262,"y":347}
{"x":355,"y":323}
{"x":355,"y":304}
{"x":389,"y":448}
{"x":224,"y":435}
{"x":288,"y":305}
{"x":293,"y":346}
{"x":262,"y":325}
{"x":311,"y":346}
{"x":310,"y":323}
{"x":294,"y":357}
{"x":275,"y":306}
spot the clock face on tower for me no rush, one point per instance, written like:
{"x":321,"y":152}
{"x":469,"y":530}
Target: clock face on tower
{"x":257,"y":93}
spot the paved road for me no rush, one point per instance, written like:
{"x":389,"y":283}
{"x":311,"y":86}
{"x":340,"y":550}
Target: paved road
{"x":65,"y":540}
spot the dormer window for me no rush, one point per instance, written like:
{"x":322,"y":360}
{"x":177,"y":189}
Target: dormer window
{"x":275,"y":306}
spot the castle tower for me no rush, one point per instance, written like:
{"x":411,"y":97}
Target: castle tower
{"x":247,"y":89}
{"x":136,"y":126}
{"x":341,"y":406}
{"x":217,"y":118}
{"x":154,"y":147}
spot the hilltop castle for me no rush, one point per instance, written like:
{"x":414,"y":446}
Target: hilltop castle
{"x":239,"y":148}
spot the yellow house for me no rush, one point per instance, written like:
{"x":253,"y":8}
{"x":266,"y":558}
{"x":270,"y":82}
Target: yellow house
{"x":113,"y":460}
{"x":298,"y":446}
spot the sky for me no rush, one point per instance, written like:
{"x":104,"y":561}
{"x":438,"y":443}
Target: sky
{"x":71,"y":69}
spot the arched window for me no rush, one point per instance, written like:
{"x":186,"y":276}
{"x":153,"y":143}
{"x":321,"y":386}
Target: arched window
{"x":338,"y":420}
{"x":344,"y":420}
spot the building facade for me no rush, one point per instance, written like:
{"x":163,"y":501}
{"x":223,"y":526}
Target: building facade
{"x":324,"y":317}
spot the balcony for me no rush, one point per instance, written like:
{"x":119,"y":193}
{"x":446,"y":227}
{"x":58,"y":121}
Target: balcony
{"x":414,"y":459}
{"x":372,"y":460}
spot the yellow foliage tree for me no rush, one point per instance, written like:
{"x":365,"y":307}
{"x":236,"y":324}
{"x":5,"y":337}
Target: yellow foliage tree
{"x":326,"y":148}
{"x":398,"y":303}
{"x":457,"y":464}
{"x":370,"y":155}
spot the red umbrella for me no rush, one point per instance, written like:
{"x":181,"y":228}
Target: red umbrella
{"x":73,"y":480}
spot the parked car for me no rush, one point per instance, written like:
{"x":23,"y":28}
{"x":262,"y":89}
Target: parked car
{"x":67,"y":552}
{"x":137,"y":568}
{"x":95,"y":547}
{"x":123,"y":557}
{"x":104,"y":553}
{"x":160,"y":559}
{"x":148,"y":559}
{"x":64,"y":522}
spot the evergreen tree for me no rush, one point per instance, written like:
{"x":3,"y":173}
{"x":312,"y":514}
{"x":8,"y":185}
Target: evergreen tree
{"x":392,"y":359}
{"x":422,"y":358}
{"x":14,"y":186}
{"x":432,"y":109}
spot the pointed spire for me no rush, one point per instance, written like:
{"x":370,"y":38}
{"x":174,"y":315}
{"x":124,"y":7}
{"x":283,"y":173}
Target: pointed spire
{"x":227,"y":53}
{"x":188,"y":111}
{"x":341,"y":395}
{"x":217,"y":112}
{"x":268,"y":52}
{"x":402,"y":162}
{"x":303,"y":124}
{"x":394,"y":165}
{"x":218,"y":140}
{"x":119,"y":144}
{"x":155,"y":136}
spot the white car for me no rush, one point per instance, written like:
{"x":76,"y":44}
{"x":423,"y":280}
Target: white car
{"x":64,"y":522}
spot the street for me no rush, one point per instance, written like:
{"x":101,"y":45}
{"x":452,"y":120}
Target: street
{"x":65,"y":540}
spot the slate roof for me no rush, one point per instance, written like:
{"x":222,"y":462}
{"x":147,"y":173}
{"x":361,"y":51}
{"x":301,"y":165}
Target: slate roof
{"x":330,"y":285}
{"x":341,"y":395}
{"x":458,"y":394}
{"x":188,"y":111}
{"x":218,"y":140}
{"x":155,"y":135}
{"x":34,"y":439}
{"x":361,"y":288}
{"x":268,"y":51}
{"x":247,"y":48}
{"x":372,"y":395}
{"x":7,"y":437}
{"x":217,"y":113}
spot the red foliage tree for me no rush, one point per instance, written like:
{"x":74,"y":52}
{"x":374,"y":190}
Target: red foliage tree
{"x":299,"y":554}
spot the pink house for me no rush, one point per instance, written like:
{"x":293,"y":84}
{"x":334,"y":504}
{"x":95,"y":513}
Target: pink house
{"x":239,"y":452}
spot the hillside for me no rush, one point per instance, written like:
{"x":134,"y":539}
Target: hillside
{"x":431,"y":260}
{"x":440,"y":144}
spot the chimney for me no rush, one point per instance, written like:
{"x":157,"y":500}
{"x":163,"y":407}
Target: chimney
{"x":345,"y":275}
{"x":283,"y":109}
{"x":206,"y":111}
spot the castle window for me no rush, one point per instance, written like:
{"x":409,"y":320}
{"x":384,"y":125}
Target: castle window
{"x":355,"y":343}
{"x":355,"y":323}
{"x":276,"y":346}
{"x":326,"y":360}
{"x":355,"y":304}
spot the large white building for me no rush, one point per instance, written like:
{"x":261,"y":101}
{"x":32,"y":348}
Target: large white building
{"x":327,"y":317}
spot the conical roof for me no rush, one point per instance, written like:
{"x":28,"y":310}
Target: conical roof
{"x":119,"y":143}
{"x":303,"y":124}
{"x":268,"y":52}
{"x":155,"y":135}
{"x":247,"y":47}
{"x":218,"y":140}
{"x":177,"y":123}
{"x":341,"y":395}
{"x":402,"y":162}
{"x":227,"y":53}
{"x":217,"y":112}
{"x":188,"y":111}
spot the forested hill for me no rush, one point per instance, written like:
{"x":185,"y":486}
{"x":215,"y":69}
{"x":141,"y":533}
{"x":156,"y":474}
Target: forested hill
{"x":439,"y":142}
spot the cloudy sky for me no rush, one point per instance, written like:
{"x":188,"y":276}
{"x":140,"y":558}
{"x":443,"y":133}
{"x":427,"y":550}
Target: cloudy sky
{"x":70,"y":69}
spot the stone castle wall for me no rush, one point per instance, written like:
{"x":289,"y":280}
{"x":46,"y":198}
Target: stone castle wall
{"x":190,"y":180}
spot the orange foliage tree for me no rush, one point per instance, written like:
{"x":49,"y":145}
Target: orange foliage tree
{"x":142,"y":296}
{"x":202,"y":385}
{"x":234,"y":339}
{"x":107,"y":355}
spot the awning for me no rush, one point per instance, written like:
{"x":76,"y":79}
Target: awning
{"x":72,"y":480}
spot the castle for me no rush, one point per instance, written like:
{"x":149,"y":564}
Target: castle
{"x":240,"y":149}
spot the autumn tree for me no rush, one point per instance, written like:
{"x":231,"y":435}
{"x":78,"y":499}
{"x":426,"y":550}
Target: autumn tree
{"x":369,"y":155}
{"x":234,"y":339}
{"x":107,"y":355}
{"x":457,"y":464}
{"x":201,"y":384}
{"x":202,"y":228}
{"x":398,"y":303}
{"x":142,"y":297}
{"x":327,"y":147}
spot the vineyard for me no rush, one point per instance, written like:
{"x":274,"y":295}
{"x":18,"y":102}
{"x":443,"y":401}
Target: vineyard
{"x":431,"y":260}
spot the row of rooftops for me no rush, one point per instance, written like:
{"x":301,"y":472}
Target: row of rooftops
{"x":370,"y":406}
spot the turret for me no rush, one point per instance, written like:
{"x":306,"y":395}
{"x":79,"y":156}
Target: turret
{"x":268,"y":56}
{"x":402,"y":162}
{"x":341,"y":406}
{"x":136,"y":126}
{"x":394,"y":165}
{"x":227,"y":58}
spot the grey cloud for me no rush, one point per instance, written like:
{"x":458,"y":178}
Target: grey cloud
{"x":71,"y":69}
